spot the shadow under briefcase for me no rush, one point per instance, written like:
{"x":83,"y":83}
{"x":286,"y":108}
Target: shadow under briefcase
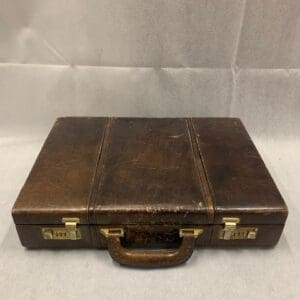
{"x":149,"y":190}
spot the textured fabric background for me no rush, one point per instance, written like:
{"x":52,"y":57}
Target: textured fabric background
{"x":150,"y":58}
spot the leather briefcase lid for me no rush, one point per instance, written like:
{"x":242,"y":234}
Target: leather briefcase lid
{"x":149,"y":171}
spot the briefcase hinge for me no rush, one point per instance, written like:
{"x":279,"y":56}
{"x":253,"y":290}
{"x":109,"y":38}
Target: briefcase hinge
{"x":232,"y":231}
{"x":69,"y":232}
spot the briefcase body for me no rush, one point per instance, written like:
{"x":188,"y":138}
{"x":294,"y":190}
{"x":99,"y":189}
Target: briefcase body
{"x":149,"y":190}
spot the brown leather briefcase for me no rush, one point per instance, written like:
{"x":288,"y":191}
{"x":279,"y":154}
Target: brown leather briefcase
{"x":149,"y":190}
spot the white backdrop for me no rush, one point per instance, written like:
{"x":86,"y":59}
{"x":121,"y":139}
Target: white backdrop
{"x":150,"y":58}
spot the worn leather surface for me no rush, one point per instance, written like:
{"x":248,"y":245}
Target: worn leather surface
{"x":148,"y":174}
{"x":238,"y":178}
{"x":61,"y":179}
{"x":149,"y":171}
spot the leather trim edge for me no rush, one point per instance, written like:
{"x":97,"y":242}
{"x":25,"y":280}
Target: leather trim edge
{"x":97,"y":175}
{"x":204,"y":183}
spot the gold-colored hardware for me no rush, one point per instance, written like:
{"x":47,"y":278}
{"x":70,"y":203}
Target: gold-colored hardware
{"x":232,"y":231}
{"x":69,"y":232}
{"x":230,"y":227}
{"x":195,"y":232}
{"x":70,"y":225}
{"x":115,"y":232}
{"x":47,"y":233}
{"x":252,"y":234}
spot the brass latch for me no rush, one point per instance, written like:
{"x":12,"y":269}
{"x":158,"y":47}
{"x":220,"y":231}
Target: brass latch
{"x":232,"y":231}
{"x":71,"y":227}
{"x":116,"y":232}
{"x":194,"y":232}
{"x":69,"y":232}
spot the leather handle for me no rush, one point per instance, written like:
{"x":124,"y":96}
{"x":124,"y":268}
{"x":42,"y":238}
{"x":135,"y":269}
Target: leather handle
{"x":150,"y":258}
